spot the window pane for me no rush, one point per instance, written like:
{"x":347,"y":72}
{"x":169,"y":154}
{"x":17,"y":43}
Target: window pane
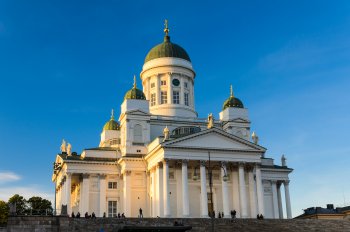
{"x":163,"y":97}
{"x":176,"y":97}
{"x":186,"y":99}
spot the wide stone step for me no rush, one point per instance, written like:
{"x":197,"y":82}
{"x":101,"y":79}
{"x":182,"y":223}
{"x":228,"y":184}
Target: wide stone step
{"x":57,"y":223}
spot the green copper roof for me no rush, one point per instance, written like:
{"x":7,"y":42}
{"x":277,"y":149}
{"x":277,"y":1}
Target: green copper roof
{"x":167,"y":49}
{"x":135,"y":93}
{"x":232,"y":101}
{"x":111,"y":124}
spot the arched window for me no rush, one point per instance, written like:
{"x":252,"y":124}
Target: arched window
{"x":138,"y":134}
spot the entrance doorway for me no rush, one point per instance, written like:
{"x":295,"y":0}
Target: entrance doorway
{"x":112,"y":208}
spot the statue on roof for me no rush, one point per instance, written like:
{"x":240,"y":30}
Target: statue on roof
{"x":63,"y":146}
{"x":283,"y":161}
{"x":69,"y":149}
{"x":166,"y":133}
{"x":210,"y":121}
{"x":255,"y":138}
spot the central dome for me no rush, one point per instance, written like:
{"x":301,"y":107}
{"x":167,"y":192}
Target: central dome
{"x":167,"y":49}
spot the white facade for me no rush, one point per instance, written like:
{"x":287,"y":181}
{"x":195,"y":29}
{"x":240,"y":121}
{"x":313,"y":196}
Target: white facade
{"x":138,"y":165}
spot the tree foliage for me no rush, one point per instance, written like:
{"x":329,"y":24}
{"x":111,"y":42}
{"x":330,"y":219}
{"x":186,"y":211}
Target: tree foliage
{"x":21,"y":204}
{"x":4,"y":209}
{"x":38,"y":205}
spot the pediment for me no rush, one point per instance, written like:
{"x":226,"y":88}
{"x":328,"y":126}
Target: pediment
{"x":137,"y":112}
{"x":214,"y":139}
{"x":240,"y":120}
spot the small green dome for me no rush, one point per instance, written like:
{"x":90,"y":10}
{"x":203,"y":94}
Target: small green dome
{"x":232,"y":102}
{"x":135,"y":93}
{"x":111,"y":124}
{"x":167,"y":49}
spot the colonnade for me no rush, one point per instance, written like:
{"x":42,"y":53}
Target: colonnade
{"x":250,"y":201}
{"x":63,"y":193}
{"x":255,"y":194}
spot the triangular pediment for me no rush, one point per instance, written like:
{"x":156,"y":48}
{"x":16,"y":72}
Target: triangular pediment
{"x":137,"y":112}
{"x":214,"y":139}
{"x":240,"y":120}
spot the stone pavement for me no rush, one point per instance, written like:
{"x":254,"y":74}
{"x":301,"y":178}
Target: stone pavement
{"x":65,"y":224}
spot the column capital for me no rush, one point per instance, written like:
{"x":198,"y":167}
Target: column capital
{"x":273,"y":181}
{"x":184,"y":161}
{"x":203,"y":162}
{"x":159,"y":164}
{"x":166,"y":160}
{"x":286,"y":182}
{"x":102,"y":176}
{"x":86,"y":175}
{"x":69,"y":174}
{"x":223,"y":164}
{"x":241,"y":164}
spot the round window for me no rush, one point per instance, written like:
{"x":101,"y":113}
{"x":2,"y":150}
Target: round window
{"x":176,"y":82}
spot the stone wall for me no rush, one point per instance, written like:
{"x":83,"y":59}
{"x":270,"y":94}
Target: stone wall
{"x":65,"y":224}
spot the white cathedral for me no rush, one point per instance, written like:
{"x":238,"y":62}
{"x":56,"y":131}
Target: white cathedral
{"x":160,"y":157}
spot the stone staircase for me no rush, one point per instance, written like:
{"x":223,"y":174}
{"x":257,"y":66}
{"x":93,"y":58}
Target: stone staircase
{"x":65,"y":224}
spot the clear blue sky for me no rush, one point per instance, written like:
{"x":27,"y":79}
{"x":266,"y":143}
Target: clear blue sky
{"x":65,"y":64}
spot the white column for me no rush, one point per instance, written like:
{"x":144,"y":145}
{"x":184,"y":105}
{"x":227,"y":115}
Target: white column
{"x":153,"y":203}
{"x":235,"y":192}
{"x":68,"y":192}
{"x":170,"y":89}
{"x":148,"y":213}
{"x":259,"y":190}
{"x":157,"y":86}
{"x":286,"y":190}
{"x":279,"y":197}
{"x":204,"y":195}
{"x":185,"y":200}
{"x":274,"y":199}
{"x":178,"y":190}
{"x":63,"y":192}
{"x":182,"y":90}
{"x":86,"y":193}
{"x":159,"y":190}
{"x":252,"y":194}
{"x":127,"y":193}
{"x":225,"y":201}
{"x":166,"y":195}
{"x":242,"y":191}
{"x":81,"y":196}
{"x":102,"y":195}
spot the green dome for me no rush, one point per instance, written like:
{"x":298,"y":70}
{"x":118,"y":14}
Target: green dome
{"x":111,"y":124}
{"x":135,"y":93}
{"x":232,"y":101}
{"x":167,"y":49}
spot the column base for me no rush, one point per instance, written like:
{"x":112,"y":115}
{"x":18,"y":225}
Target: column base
{"x":204,"y":216}
{"x":185,"y":216}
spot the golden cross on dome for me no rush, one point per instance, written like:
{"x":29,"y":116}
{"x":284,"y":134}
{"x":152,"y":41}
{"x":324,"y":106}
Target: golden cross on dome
{"x":134,"y":81}
{"x":231,"y":91}
{"x":112,"y":114}
{"x":166,"y":29}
